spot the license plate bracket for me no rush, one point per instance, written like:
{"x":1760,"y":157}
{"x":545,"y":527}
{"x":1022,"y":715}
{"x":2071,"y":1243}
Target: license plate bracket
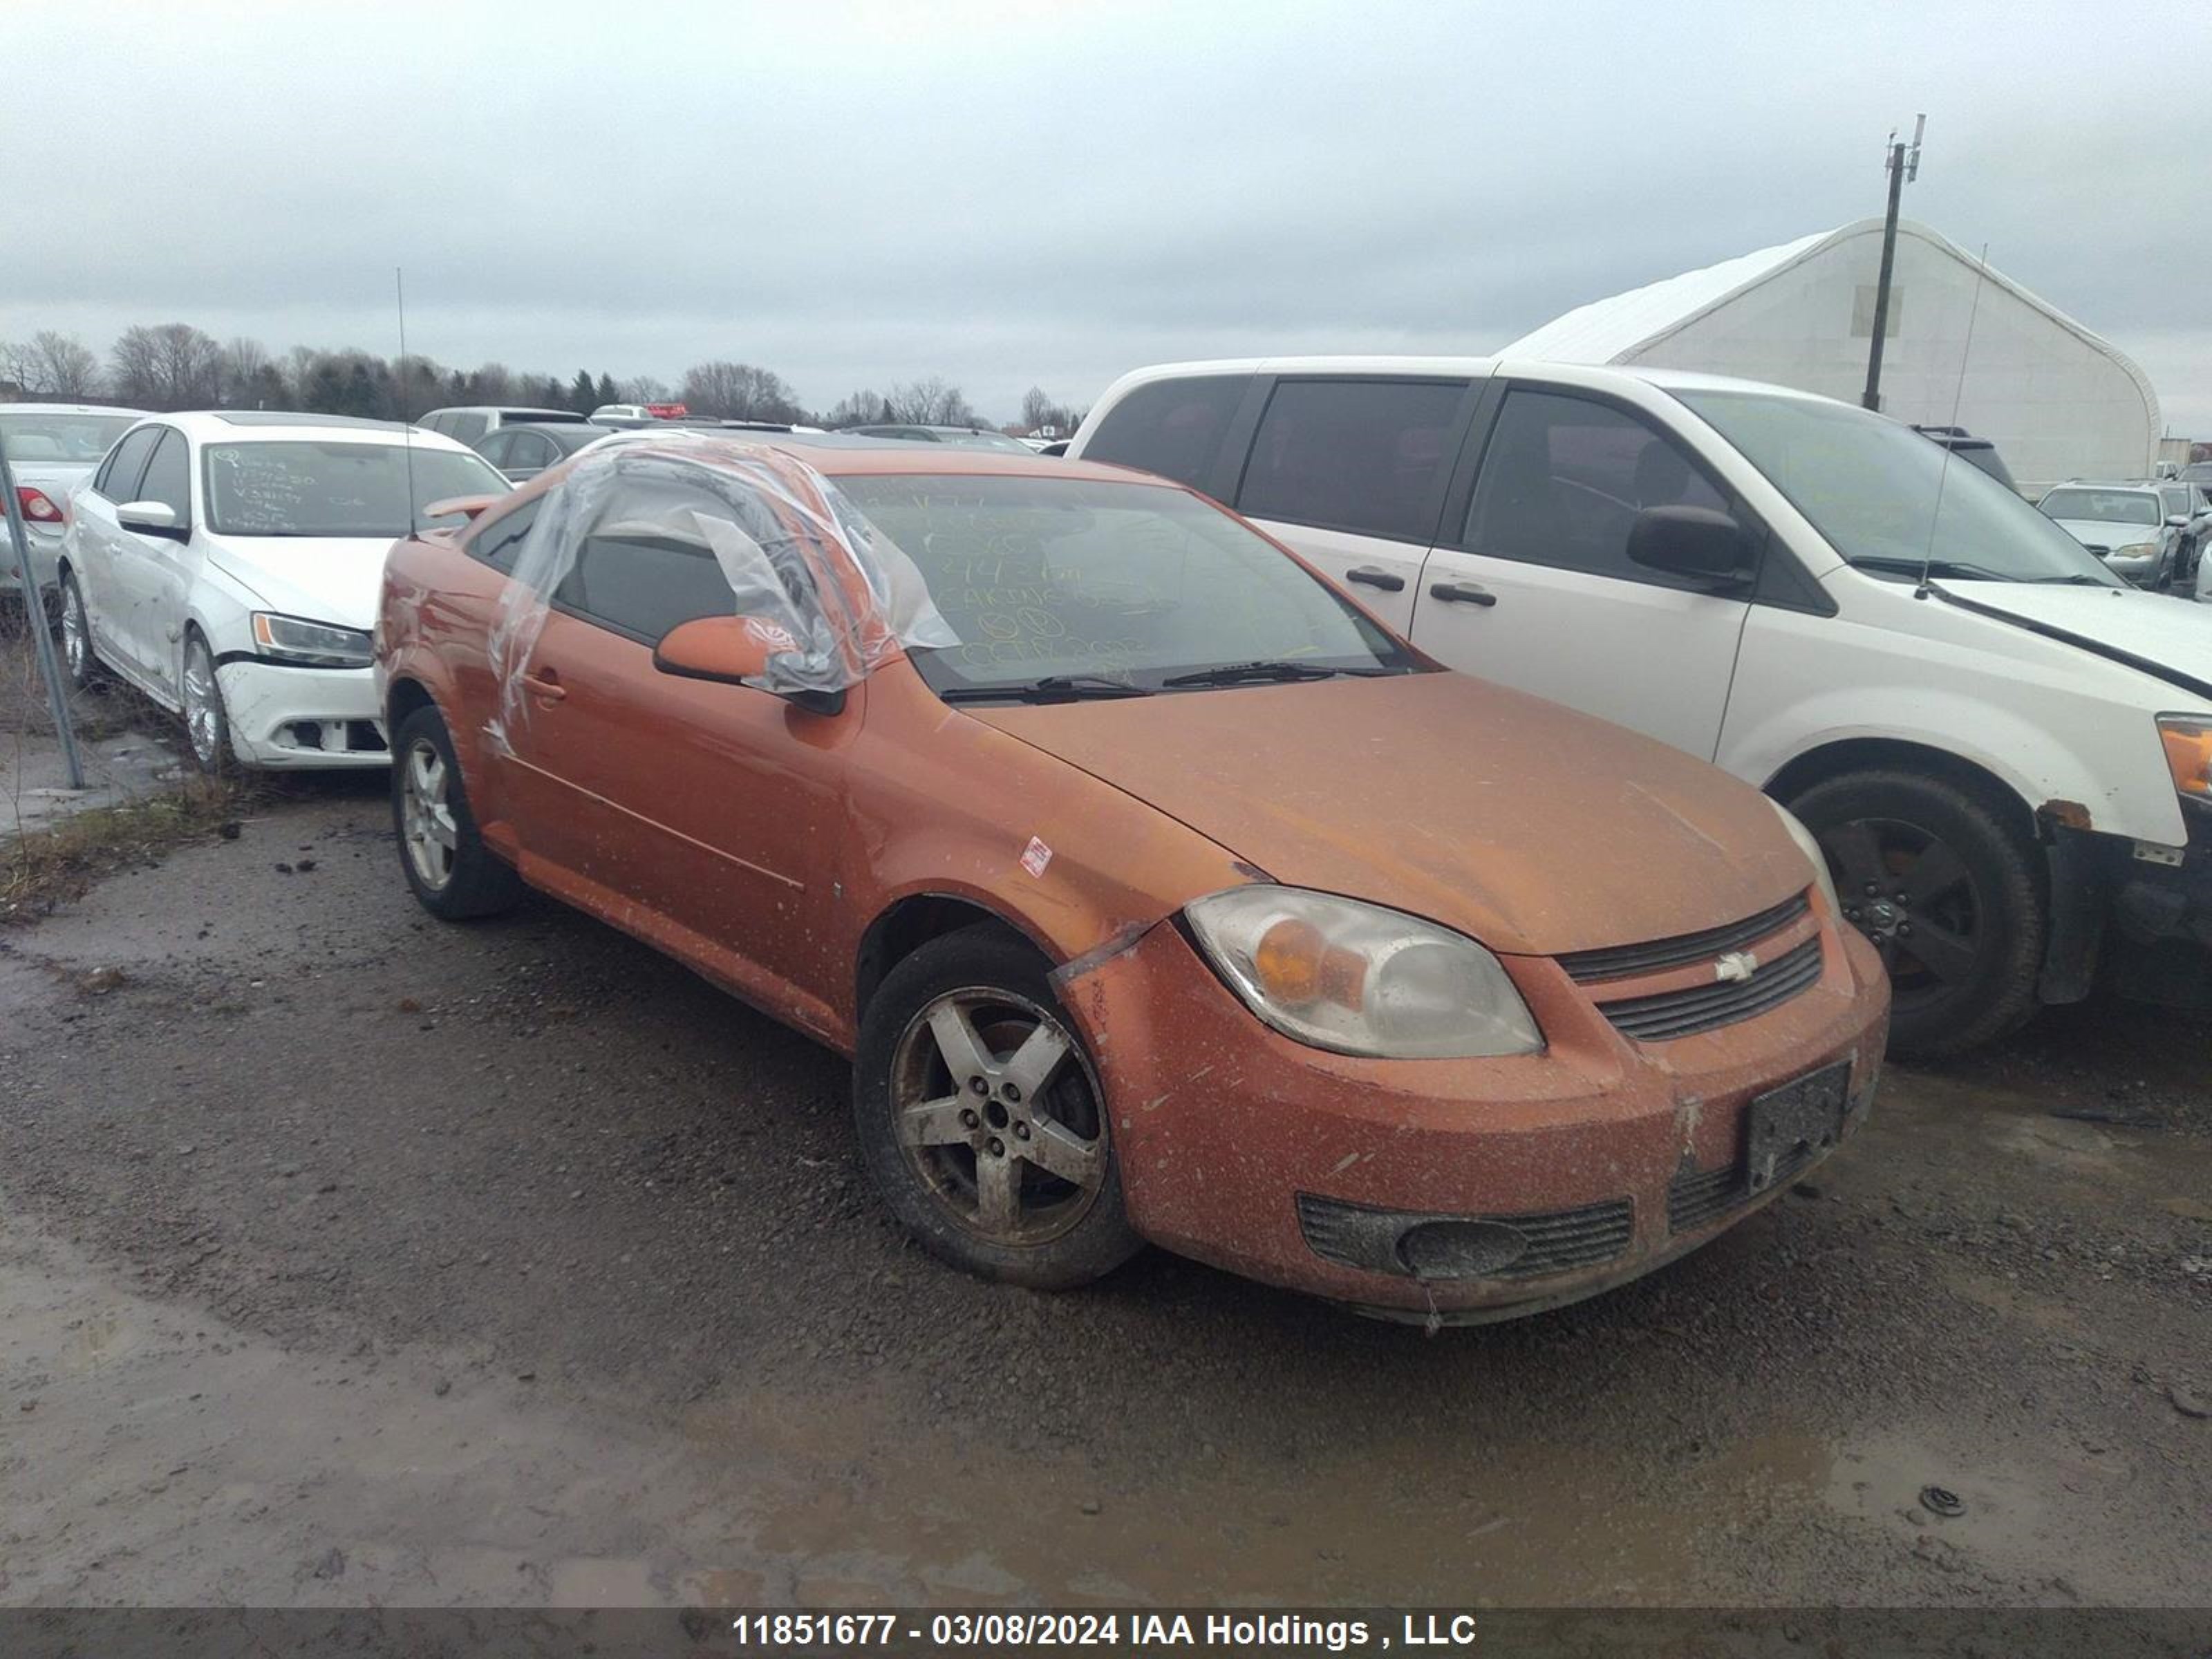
{"x":1786,"y":1128}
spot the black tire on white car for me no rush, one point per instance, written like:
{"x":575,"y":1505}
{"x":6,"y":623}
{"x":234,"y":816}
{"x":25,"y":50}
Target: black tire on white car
{"x":79,"y":660}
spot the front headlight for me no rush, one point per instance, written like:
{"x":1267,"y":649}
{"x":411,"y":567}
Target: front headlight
{"x":1814,"y":856}
{"x":1360,"y":980}
{"x":2188,"y":740}
{"x":2136,"y":550}
{"x":313,"y":644}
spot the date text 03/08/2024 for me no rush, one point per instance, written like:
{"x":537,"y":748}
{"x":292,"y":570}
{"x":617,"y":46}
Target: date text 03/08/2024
{"x":1258,"y":1633}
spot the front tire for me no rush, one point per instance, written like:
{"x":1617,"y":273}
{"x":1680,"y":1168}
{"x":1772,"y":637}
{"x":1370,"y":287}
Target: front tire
{"x":1948,"y":894}
{"x":206,"y":722}
{"x":454,"y":876}
{"x":982,"y":1121}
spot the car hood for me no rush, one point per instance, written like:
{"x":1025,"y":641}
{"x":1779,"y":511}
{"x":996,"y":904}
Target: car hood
{"x":1526,"y":825}
{"x":328,"y":579}
{"x":2161,"y":635}
{"x":2099,"y":532}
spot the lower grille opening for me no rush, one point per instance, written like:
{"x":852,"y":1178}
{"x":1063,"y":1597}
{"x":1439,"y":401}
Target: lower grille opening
{"x":1422,"y":1245}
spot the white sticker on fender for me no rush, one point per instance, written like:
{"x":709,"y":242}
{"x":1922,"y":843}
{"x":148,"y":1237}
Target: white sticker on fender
{"x":1036,"y":856}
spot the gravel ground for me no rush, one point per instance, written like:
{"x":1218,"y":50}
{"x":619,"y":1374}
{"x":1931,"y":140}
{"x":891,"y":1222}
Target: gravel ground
{"x":349,"y":1257}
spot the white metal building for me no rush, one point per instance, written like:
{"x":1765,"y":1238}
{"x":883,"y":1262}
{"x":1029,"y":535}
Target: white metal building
{"x":2058,"y":401}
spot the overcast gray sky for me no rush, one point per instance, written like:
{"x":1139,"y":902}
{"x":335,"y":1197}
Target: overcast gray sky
{"x":1008,"y":194}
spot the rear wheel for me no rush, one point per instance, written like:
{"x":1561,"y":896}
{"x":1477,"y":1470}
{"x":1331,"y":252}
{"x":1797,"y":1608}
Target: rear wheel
{"x":982,"y":1121}
{"x":1946,"y":892}
{"x":453,"y":874}
{"x":79,"y":660}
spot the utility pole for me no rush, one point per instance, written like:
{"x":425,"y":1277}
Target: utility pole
{"x":1904,"y":165}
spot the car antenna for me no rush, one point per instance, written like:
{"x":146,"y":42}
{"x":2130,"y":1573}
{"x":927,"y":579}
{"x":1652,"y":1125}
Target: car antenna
{"x":1957,"y":396}
{"x":406,"y":426}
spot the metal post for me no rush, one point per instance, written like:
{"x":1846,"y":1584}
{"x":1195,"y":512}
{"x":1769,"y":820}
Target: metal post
{"x":1873,"y":397}
{"x":34,"y":619}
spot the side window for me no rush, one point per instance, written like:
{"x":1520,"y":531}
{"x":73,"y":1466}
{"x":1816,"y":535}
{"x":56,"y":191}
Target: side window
{"x":470,"y":428}
{"x":1173,"y":427}
{"x":498,"y":541}
{"x":529,"y":448}
{"x":119,"y":477}
{"x":1563,"y":479}
{"x":494,"y":448}
{"x":1366,"y":456}
{"x":169,"y":476}
{"x":645,"y":565}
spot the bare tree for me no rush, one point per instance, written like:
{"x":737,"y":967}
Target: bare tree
{"x":932,"y":402}
{"x":491,"y":383}
{"x":241,"y":371}
{"x":173,"y":366}
{"x":738,"y":391}
{"x":861,"y":408}
{"x":51,"y":365}
{"x":641,"y":389}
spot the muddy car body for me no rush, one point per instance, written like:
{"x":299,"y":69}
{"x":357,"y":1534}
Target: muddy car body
{"x":1181,"y":919}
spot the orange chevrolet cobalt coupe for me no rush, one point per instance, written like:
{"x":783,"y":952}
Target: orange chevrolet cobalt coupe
{"x":1157,"y":891}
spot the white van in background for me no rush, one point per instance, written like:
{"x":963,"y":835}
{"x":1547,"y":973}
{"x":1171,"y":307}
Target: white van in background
{"x":2005,"y":750}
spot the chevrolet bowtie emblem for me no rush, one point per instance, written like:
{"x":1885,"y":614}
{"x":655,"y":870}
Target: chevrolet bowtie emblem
{"x":1736,"y":965}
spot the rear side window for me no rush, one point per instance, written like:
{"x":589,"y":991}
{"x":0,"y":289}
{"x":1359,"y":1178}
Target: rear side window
{"x":1173,"y":427}
{"x":169,"y":477}
{"x":498,"y":542}
{"x":1563,"y":479}
{"x":118,"y":479}
{"x":1366,"y":456}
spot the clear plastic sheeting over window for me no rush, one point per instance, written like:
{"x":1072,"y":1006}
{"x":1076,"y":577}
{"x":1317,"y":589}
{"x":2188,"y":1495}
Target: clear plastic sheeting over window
{"x":656,"y":529}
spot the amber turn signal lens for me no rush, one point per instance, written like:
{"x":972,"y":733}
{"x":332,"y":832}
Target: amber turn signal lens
{"x":1297,"y":966}
{"x":2189,"y":756}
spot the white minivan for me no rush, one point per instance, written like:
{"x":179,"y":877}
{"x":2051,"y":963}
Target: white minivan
{"x":2005,"y":750}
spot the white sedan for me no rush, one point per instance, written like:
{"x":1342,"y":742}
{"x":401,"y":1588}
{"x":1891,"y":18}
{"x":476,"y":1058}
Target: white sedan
{"x":228,"y":565}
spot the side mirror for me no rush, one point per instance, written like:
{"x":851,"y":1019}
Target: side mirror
{"x":468,"y":506}
{"x":1690,"y":541}
{"x":734,"y":650}
{"x":150,"y":519}
{"x":2178,"y":521}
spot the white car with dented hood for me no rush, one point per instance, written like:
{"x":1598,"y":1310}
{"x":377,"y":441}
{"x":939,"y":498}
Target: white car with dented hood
{"x":2004,"y":749}
{"x":226,"y":564}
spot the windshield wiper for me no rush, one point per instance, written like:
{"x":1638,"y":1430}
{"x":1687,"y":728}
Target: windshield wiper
{"x":1240,"y":673}
{"x":1053,"y":687}
{"x":1964,"y":573}
{"x":2071,"y":581}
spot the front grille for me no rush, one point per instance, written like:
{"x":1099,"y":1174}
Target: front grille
{"x":1671,"y":1014}
{"x":1697,"y":1198}
{"x":1552,"y":1241}
{"x":1620,"y":961}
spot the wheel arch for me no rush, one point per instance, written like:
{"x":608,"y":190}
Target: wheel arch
{"x":1859,"y":754}
{"x":908,"y":923}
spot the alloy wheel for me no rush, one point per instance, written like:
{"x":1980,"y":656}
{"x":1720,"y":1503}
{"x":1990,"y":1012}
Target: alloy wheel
{"x":203,"y":706}
{"x":1913,"y":896}
{"x":426,"y":814}
{"x":76,"y":639}
{"x":998,"y":1112}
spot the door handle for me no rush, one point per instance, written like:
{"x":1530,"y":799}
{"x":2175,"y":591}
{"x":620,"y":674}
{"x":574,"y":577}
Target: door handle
{"x":545,"y":683}
{"x":1461,"y":593}
{"x":1375,"y":576}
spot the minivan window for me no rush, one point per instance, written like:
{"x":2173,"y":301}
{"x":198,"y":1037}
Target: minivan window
{"x":1358,"y":455}
{"x":1172,"y":427}
{"x":1563,"y":477}
{"x":1888,"y":499}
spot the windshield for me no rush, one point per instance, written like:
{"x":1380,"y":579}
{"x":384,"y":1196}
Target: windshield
{"x":984,"y":440}
{"x":1129,"y":582}
{"x":310,"y":489}
{"x":2103,"y":505}
{"x":1872,"y":487}
{"x":78,"y":439}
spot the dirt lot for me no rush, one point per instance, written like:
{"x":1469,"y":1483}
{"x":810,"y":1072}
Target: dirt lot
{"x":346,"y":1257}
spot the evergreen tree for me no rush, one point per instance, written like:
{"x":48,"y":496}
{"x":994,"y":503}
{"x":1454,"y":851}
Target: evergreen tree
{"x":583,"y":397}
{"x":606,"y":393}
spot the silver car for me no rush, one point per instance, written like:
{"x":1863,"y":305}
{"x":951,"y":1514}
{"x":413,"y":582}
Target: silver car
{"x":2125,"y":525}
{"x":52,"y":449}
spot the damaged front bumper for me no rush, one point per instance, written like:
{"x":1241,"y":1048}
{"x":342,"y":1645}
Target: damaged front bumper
{"x":285,"y":717}
{"x":2167,"y":894}
{"x":1452,"y":1190}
